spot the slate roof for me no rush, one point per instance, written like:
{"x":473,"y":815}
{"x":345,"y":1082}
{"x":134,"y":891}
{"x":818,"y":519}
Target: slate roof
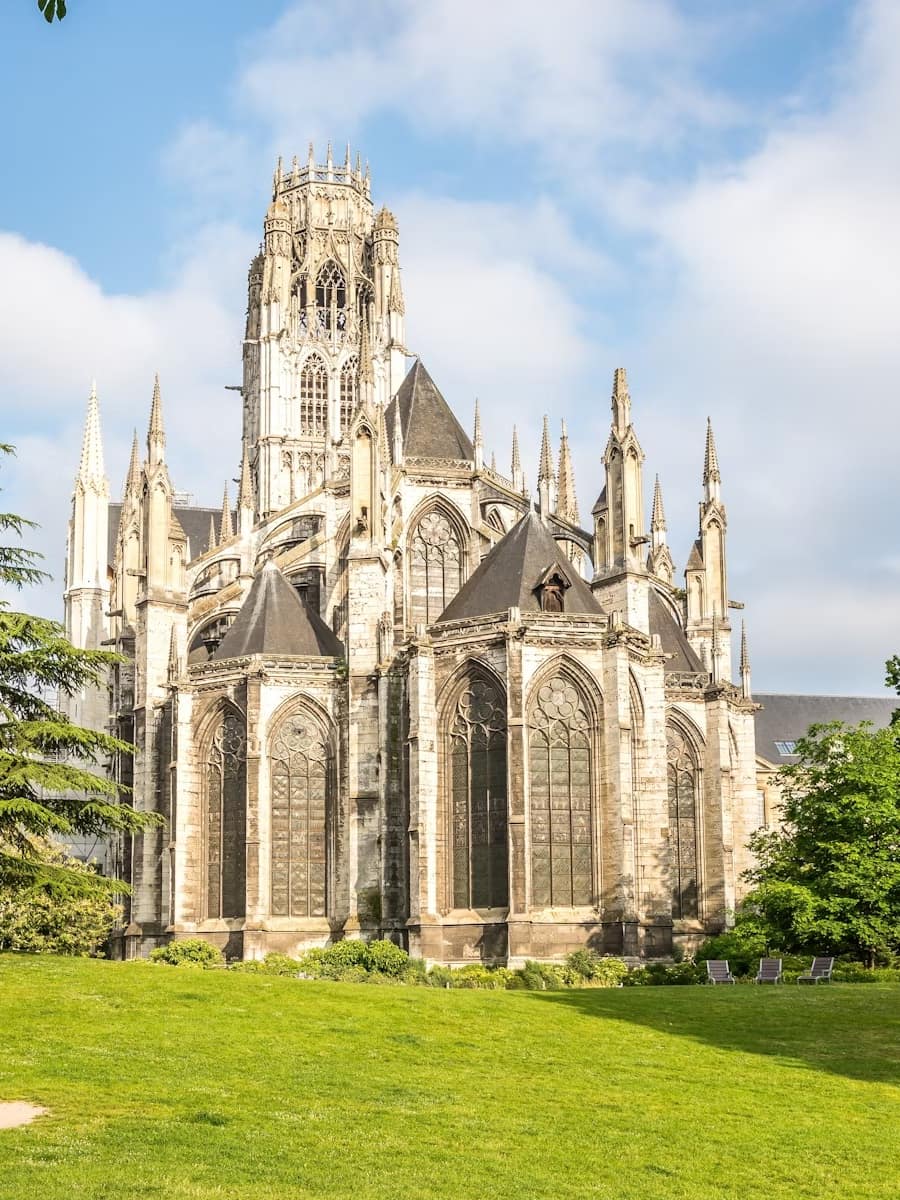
{"x":787,"y":718}
{"x":673,"y":638}
{"x":274,"y":620}
{"x":429,"y":428}
{"x":507,"y":577}
{"x":194,"y":522}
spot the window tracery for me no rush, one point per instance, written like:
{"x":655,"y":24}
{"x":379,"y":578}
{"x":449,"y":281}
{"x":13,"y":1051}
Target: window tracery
{"x":300,"y":778}
{"x":477,"y":794}
{"x":226,"y":797}
{"x":560,"y":796}
{"x":331,"y":297}
{"x":683,"y":776}
{"x":436,"y":561}
{"x":313,"y":397}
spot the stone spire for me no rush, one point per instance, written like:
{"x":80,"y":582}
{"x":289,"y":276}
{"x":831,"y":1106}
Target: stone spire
{"x":518,"y":479}
{"x":156,"y":436}
{"x":566,"y":500}
{"x":658,"y":515}
{"x":174,"y":667}
{"x":211,"y":543}
{"x":546,"y":477}
{"x":745,"y":663}
{"x":91,"y":472}
{"x":715,"y":651}
{"x":133,"y":478}
{"x":245,"y":487}
{"x":659,"y":560}
{"x":477,"y":439}
{"x":226,"y":529}
{"x":712,"y":478}
{"x":384,"y":445}
{"x":621,"y":402}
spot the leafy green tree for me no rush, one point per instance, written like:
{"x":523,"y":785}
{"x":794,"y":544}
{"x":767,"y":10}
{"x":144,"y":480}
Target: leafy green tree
{"x":892,"y":679}
{"x":53,"y":922}
{"x":52,"y":9}
{"x":830,"y":879}
{"x":52,"y":782}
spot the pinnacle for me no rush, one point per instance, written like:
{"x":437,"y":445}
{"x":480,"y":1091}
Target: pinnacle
{"x":133,"y":478}
{"x":658,"y":516}
{"x":621,"y":402}
{"x":91,"y":469}
{"x":745,"y":653}
{"x":226,"y":528}
{"x":211,"y":543}
{"x":245,"y":488}
{"x":711,"y":459}
{"x":620,"y":382}
{"x":366,"y":371}
{"x":545,"y":469}
{"x":567,"y":500}
{"x":156,"y":419}
{"x":477,"y":438}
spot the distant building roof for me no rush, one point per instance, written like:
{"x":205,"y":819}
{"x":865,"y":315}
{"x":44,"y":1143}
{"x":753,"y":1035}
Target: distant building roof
{"x":429,"y":428}
{"x":511,"y":572}
{"x":785,"y":719}
{"x":274,"y":620}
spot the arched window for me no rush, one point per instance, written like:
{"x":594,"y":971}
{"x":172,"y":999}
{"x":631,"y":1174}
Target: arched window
{"x":560,"y":796}
{"x":349,"y":391}
{"x":313,"y":397}
{"x":435,"y":567}
{"x":683,"y":825}
{"x":476,"y":776}
{"x":301,"y":785}
{"x":331,"y":297}
{"x":225,"y":773}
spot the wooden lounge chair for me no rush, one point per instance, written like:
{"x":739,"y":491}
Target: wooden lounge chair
{"x":819,"y":972}
{"x":769,"y":971}
{"x":717,"y":971}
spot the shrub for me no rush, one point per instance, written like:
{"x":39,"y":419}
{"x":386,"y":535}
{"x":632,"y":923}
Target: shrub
{"x":273,"y":964}
{"x":188,"y":952}
{"x":439,"y":976}
{"x":541,"y":977}
{"x":856,"y":972}
{"x":583,"y":968}
{"x":386,"y":957}
{"x":477,"y":975}
{"x":658,"y":974}
{"x":742,"y":947}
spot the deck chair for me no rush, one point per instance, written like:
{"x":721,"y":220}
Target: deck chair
{"x":769,"y":971}
{"x":819,"y":972}
{"x":717,"y":971}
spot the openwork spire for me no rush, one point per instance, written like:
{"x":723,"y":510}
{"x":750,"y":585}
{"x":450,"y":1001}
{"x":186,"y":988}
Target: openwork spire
{"x":567,"y":500}
{"x":91,"y":471}
{"x":226,"y":529}
{"x":658,"y":516}
{"x":133,"y":478}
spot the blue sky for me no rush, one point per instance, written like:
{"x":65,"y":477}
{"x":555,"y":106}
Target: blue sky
{"x":705,"y":193}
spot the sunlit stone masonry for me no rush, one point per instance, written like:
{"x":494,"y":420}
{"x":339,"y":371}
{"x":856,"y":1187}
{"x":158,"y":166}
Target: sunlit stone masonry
{"x":390,"y":693}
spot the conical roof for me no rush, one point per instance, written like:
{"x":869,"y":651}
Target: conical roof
{"x":274,"y":620}
{"x":509,"y":576}
{"x":429,"y":428}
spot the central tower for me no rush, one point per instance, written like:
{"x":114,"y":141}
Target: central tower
{"x":327,"y":270}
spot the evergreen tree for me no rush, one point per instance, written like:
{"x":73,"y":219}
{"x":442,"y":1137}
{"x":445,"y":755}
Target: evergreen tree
{"x":52,"y":782}
{"x":830,"y":879}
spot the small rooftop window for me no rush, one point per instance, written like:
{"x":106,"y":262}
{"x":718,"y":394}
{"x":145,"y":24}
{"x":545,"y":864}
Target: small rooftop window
{"x":786,"y":749}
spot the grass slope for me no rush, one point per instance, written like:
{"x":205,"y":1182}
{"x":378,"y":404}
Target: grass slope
{"x":178,"y":1084}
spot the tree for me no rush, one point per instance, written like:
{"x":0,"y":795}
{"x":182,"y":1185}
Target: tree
{"x":892,"y":679}
{"x":830,"y":879}
{"x":52,"y":784}
{"x":52,"y":9}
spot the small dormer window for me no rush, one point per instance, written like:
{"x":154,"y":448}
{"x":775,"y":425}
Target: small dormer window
{"x":552,"y":588}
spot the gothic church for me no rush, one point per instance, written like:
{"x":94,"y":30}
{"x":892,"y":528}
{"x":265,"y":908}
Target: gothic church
{"x":392,"y":693}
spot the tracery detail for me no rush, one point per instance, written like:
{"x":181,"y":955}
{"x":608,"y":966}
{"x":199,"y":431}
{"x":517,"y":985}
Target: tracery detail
{"x":435,"y":567}
{"x":560,"y":796}
{"x":683,"y":825}
{"x":349,"y":392}
{"x":226,"y":798}
{"x":477,"y":791}
{"x":300,"y":782}
{"x":331,"y":297}
{"x":313,"y":397}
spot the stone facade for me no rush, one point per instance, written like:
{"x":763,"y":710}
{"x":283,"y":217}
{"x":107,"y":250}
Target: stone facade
{"x":387,"y":696}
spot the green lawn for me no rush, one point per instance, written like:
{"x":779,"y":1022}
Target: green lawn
{"x":171,"y":1083}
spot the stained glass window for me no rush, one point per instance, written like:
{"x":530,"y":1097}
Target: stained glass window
{"x":313,"y":397}
{"x":226,"y":798}
{"x":435,"y":567}
{"x":560,"y":792}
{"x":683,"y":832}
{"x":477,"y":787}
{"x":300,"y":786}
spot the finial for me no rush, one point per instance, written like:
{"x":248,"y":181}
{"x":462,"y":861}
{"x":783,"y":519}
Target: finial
{"x":710,"y":459}
{"x":545,"y":468}
{"x":658,"y":516}
{"x":477,"y":439}
{"x":518,"y":479}
{"x":358,"y":167}
{"x":745,"y":663}
{"x":566,"y":500}
{"x":277,"y":178}
{"x":493,"y":462}
{"x":329,"y":164}
{"x":156,"y":437}
{"x":226,"y":529}
{"x":245,"y":488}
{"x":621,"y":401}
{"x":174,"y":669}
{"x":311,"y":158}
{"x":347,"y":161}
{"x":133,"y":478}
{"x":295,"y":170}
{"x":212,"y":540}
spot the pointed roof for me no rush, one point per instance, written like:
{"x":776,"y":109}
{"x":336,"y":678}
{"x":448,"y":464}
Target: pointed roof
{"x":429,"y":428}
{"x":509,"y":575}
{"x":274,"y":620}
{"x":682,"y":655}
{"x":545,"y":467}
{"x":567,"y":499}
{"x":601,"y":502}
{"x":710,"y":458}
{"x":91,"y":469}
{"x":658,"y":518}
{"x":695,"y":558}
